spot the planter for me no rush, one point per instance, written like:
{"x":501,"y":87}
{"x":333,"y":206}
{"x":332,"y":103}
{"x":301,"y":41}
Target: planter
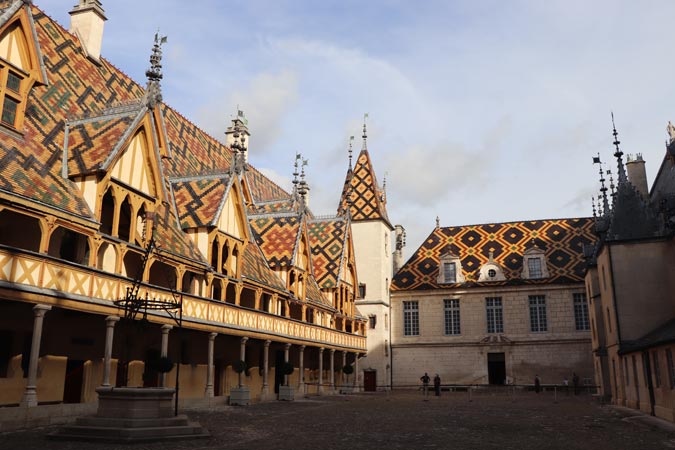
{"x":286,"y":393}
{"x":240,"y":396}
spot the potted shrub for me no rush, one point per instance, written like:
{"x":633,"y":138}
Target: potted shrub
{"x":347,"y":370}
{"x":240,"y":395}
{"x":286,"y":392}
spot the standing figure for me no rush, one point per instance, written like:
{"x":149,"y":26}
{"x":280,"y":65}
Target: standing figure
{"x":537,"y":384}
{"x":425,"y":383}
{"x":437,"y":385}
{"x":575,"y":383}
{"x":566,"y":385}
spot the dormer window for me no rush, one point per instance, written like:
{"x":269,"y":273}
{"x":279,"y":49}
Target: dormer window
{"x":11,"y":95}
{"x":450,"y":269}
{"x":491,"y":271}
{"x":534,"y":264}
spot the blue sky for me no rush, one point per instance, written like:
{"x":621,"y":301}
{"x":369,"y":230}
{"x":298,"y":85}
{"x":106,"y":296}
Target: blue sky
{"x":479,"y":111}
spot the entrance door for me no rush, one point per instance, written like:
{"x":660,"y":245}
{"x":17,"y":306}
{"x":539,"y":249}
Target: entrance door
{"x":369,"y":380}
{"x":72,"y":389}
{"x":496,"y":368}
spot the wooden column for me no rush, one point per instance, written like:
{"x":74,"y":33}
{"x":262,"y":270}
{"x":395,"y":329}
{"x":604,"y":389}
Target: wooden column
{"x":30,"y":394}
{"x":110,"y":322}
{"x":208,"y":392}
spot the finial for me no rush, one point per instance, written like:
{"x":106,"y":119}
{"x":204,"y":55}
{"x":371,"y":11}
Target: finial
{"x":603,"y":188}
{"x":365,"y":135}
{"x":618,"y":154}
{"x":154,"y":73}
{"x":303,"y":189}
{"x":438,"y":222}
{"x":593,"y":204}
{"x":670,"y":128}
{"x":296,"y":173}
{"x":351,"y":139}
{"x":611,"y":183}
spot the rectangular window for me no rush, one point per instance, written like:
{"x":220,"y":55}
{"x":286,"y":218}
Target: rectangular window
{"x":538,"y":313}
{"x":449,"y":272}
{"x":657,"y":369}
{"x":671,"y":368}
{"x":9,"y":107}
{"x":13,"y":82}
{"x":411,"y":318}
{"x":581,"y":312}
{"x":362,"y":290}
{"x":495,"y":319}
{"x":451,"y":317}
{"x":534,"y":267}
{"x":372,"y":320}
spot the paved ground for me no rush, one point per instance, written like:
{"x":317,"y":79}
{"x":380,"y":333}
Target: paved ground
{"x":406,"y":420}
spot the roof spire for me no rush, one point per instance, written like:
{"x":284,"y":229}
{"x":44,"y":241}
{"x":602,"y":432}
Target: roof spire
{"x":593,"y":204}
{"x":618,"y":154}
{"x":154,"y":73}
{"x":303,"y":188}
{"x":295,"y":175}
{"x":603,"y":188}
{"x":365,"y":135}
{"x":351,"y":151}
{"x":438,"y":222}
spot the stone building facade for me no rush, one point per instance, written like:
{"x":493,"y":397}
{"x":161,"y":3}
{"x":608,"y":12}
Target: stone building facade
{"x":630,"y":285}
{"x":494,"y":304}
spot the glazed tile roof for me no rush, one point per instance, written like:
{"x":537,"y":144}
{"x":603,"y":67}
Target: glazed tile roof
{"x":275,"y":206}
{"x":91,"y":141}
{"x":198,"y":200}
{"x":368,"y":200}
{"x":171,"y":238}
{"x":327,"y":239}
{"x":262,"y":189}
{"x":255,"y":268}
{"x":277,"y":237}
{"x":314,"y":294}
{"x":561,"y":239}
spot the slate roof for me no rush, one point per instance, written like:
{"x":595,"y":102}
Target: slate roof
{"x":561,"y":239}
{"x":327,"y":239}
{"x":368,"y":201}
{"x":662,"y":335}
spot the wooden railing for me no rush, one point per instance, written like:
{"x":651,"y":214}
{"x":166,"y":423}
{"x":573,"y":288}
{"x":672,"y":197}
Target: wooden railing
{"x":60,"y":277}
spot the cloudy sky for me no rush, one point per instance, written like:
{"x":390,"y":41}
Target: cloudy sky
{"x":479,"y":111}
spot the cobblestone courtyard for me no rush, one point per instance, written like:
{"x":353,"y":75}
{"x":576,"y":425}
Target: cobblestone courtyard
{"x":406,"y":420}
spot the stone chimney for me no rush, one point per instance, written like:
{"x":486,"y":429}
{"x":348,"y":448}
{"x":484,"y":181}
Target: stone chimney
{"x":86,"y":22}
{"x":239,"y":123}
{"x":637,"y":174}
{"x":399,"y":233}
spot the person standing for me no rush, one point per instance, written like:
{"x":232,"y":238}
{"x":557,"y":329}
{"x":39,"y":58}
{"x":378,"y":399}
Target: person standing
{"x":437,"y":385}
{"x":537,"y":384}
{"x":425,"y":383}
{"x":566,"y":385}
{"x":575,"y":383}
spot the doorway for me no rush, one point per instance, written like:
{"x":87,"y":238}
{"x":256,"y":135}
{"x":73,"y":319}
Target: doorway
{"x":496,"y":368}
{"x":72,"y":389}
{"x":370,"y":380}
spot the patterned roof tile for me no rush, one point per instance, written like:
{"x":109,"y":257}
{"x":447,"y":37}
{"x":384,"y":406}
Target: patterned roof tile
{"x":561,"y":239}
{"x":255,"y":268}
{"x":367,"y":199}
{"x":276,"y":237}
{"x":327,"y":240}
{"x":198,"y":200}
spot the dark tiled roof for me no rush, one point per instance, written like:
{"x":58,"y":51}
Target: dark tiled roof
{"x":262,"y":189}
{"x":368,"y":200}
{"x":327,"y":239}
{"x":561,"y":239}
{"x":665,"y":334}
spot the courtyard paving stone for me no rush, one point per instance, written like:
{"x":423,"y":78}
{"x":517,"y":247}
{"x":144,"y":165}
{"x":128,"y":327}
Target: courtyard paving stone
{"x":406,"y":420}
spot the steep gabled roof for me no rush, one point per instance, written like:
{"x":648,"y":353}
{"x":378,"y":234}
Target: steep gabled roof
{"x":368,"y":201}
{"x":198,"y":199}
{"x":277,"y":237}
{"x":561,"y":239}
{"x":327,"y":239}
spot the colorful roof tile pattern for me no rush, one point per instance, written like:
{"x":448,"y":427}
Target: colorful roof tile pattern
{"x":171,"y":238}
{"x":327,"y":239}
{"x":255,"y":268}
{"x":198,"y":200}
{"x":262,"y":189}
{"x":561,"y":239}
{"x":275,"y":206}
{"x":90,"y":142}
{"x":368,"y":200}
{"x":277,"y":237}
{"x":31,"y":167}
{"x":314,"y":294}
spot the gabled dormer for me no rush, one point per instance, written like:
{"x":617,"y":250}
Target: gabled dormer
{"x":534,"y":264}
{"x":20,"y":65}
{"x":450,"y":269}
